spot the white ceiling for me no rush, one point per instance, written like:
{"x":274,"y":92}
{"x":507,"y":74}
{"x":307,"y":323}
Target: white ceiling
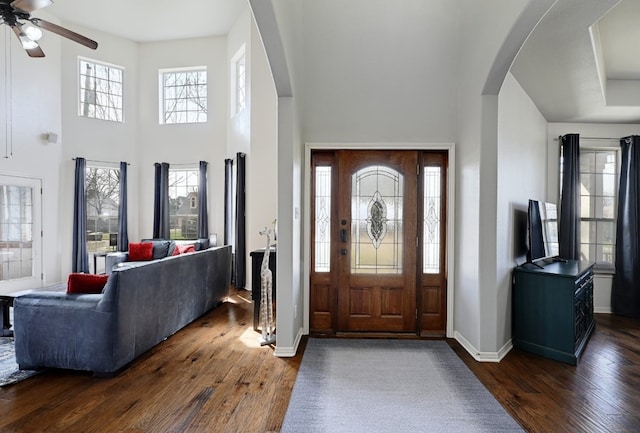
{"x":572,"y":73}
{"x":582,"y":62}
{"x":151,"y":20}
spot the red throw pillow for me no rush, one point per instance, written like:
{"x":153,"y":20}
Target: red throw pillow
{"x":86,"y":283}
{"x":140,"y":251}
{"x":181,"y":249}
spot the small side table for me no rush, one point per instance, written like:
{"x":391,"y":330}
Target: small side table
{"x":256,"y":286}
{"x":6,"y":302}
{"x":95,"y":261}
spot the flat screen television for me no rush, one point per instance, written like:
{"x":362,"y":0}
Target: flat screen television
{"x":542,"y":228}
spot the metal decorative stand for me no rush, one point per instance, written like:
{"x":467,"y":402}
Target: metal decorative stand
{"x":266,"y":298}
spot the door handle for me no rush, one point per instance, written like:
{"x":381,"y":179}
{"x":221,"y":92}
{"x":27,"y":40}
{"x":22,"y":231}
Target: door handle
{"x":343,"y":235}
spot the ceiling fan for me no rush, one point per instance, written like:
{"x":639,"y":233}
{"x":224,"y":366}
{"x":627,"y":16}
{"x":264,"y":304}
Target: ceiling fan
{"x":17,"y":15}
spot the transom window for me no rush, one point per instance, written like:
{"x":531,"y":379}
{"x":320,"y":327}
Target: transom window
{"x":183,"y":203}
{"x":101,"y":90}
{"x":183,"y":93}
{"x":239,"y":82}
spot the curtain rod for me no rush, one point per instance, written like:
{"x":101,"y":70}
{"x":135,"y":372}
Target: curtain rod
{"x":185,"y":164}
{"x":595,"y":138}
{"x":103,"y":162}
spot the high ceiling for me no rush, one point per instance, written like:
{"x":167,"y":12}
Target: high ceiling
{"x":151,"y":20}
{"x":581,"y":64}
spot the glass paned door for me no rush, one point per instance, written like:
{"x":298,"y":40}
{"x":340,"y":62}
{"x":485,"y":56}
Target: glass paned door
{"x":20,"y":233}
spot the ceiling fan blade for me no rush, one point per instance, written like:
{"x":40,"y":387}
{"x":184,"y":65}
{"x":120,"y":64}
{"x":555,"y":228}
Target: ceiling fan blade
{"x":76,"y":37}
{"x":30,"y":5}
{"x":36,"y":51}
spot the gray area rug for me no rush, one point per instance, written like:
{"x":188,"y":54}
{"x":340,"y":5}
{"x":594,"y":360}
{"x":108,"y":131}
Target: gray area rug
{"x":346,"y":385}
{"x":9,"y":372}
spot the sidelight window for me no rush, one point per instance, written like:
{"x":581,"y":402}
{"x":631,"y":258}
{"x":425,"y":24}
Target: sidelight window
{"x":432,"y":220}
{"x":322,"y":262}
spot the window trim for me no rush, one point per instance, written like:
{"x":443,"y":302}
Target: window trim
{"x":186,"y":168}
{"x":161,"y":92}
{"x":103,"y":166}
{"x":235,"y":109}
{"x":599,"y":266}
{"x":80,"y":90}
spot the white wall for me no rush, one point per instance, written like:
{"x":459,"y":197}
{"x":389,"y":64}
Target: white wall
{"x":610,"y":134}
{"x":481,"y":35}
{"x":254,"y":132}
{"x":182,"y":146}
{"x":376,"y":72}
{"x":521,"y":175}
{"x":263,"y":161}
{"x":94,"y":139}
{"x":36,"y":110}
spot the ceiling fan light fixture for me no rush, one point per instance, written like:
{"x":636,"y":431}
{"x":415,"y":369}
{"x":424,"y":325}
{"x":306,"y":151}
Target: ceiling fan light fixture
{"x":32,"y":32}
{"x":27,"y":43}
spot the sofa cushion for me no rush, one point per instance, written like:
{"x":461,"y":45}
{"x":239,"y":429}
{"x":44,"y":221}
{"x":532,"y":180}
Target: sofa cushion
{"x":161,"y":247}
{"x":140,"y":251}
{"x":86,"y":283}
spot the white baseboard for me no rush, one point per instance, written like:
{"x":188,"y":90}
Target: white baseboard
{"x":603,"y":310}
{"x":289,"y":351}
{"x":483,"y":356}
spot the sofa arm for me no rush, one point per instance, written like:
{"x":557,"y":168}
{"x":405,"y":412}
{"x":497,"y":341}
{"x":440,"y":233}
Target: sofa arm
{"x":113,"y":259}
{"x":54,"y":329}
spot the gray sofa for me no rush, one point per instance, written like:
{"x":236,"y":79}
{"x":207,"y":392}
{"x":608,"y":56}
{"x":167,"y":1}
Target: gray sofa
{"x":141,"y":305}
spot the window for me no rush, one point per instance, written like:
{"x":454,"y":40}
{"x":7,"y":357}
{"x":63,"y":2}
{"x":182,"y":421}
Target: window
{"x":183,"y":203}
{"x":103,"y":197}
{"x":238,"y":82}
{"x":599,"y":177}
{"x":183,"y":94}
{"x":100,"y":90}
{"x":322,"y":238}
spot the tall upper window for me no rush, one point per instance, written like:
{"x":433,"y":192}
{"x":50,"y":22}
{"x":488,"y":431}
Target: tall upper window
{"x":599,"y":177}
{"x":101,"y":90}
{"x":103,"y":197}
{"x":183,"y":93}
{"x":238,"y":82}
{"x":183,"y":203}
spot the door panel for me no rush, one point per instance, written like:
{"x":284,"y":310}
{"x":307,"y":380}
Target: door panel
{"x":376,"y":267}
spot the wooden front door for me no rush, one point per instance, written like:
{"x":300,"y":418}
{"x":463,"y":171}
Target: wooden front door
{"x":373,"y":242}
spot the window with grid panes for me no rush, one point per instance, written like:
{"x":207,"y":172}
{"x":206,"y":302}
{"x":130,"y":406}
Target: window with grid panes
{"x":599,"y":177}
{"x":183,"y":95}
{"x":101,"y":90}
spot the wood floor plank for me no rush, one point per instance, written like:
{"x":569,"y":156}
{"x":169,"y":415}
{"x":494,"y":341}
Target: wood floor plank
{"x":213,"y":376}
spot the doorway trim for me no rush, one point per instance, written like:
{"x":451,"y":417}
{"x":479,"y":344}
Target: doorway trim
{"x":451,"y":200}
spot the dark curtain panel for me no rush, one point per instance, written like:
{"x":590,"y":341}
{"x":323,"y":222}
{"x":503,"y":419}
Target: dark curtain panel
{"x":569,"y":227}
{"x":161,"y":228}
{"x":625,"y":297}
{"x":80,"y":253}
{"x":123,"y":232}
{"x":228,"y":201}
{"x":240,"y":241}
{"x":203,"y":215}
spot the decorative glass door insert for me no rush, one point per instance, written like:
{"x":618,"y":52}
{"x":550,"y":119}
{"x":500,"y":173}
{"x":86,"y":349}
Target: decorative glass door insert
{"x":376,"y":223}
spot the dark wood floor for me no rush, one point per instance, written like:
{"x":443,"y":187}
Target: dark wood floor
{"x":214,"y":377}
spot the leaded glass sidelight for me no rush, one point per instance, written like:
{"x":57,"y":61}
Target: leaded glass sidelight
{"x":377,"y":199}
{"x":432,"y":220}
{"x":322,"y":262}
